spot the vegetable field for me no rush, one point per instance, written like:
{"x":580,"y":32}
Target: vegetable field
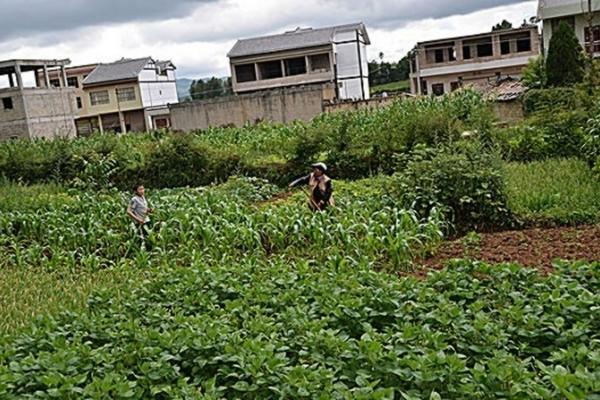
{"x":243,"y":293}
{"x":244,"y":298}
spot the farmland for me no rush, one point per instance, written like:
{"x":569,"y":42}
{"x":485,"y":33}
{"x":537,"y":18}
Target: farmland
{"x":246,"y":294}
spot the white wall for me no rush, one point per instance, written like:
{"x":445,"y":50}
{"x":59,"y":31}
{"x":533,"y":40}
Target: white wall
{"x":157,"y":90}
{"x":158,"y":93}
{"x":352,"y":67}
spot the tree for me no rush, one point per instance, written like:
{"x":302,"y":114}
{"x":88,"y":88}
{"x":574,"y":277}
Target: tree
{"x":534,"y":74}
{"x":502,"y":25}
{"x":565,"y":62}
{"x":210,"y":88}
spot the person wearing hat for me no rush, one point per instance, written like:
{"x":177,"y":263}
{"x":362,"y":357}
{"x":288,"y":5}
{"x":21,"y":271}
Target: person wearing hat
{"x":319,"y":184}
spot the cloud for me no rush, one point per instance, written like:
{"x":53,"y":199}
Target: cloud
{"x":23,"y":18}
{"x":197,"y":35}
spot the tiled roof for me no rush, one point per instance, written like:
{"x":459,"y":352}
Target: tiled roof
{"x":124,"y":69}
{"x":507,"y":89}
{"x":299,"y":38}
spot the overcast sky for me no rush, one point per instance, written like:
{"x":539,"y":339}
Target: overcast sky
{"x":197,"y":34}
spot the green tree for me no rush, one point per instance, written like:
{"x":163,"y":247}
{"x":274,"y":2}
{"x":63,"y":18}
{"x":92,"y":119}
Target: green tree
{"x":210,"y":88}
{"x":502,"y":25}
{"x":534,"y":74}
{"x":565,"y":62}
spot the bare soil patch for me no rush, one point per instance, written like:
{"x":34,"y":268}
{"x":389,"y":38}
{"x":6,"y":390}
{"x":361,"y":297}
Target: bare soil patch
{"x":535,"y":247}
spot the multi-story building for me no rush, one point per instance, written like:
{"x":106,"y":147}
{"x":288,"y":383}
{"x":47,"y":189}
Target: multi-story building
{"x":126,"y":95}
{"x":303,"y":57}
{"x":577,"y":14}
{"x":442,"y":66}
{"x":29,"y":112}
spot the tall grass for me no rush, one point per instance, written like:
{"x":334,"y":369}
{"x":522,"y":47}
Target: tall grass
{"x":560,"y":191}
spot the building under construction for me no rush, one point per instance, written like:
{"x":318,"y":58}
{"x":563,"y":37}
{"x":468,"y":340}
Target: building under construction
{"x":30,"y":111}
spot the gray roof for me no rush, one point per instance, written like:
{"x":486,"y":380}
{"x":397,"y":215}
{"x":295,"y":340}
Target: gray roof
{"x":121,"y":70}
{"x":297,"y":39}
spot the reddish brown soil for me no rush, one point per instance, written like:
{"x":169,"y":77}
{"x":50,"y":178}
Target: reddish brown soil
{"x":536,"y":247}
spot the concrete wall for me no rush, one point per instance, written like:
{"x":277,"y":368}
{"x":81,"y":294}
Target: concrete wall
{"x":38,"y":113}
{"x":50,"y":112}
{"x":508,"y":112}
{"x":13,"y":123}
{"x":362,"y":104}
{"x":280,"y":105}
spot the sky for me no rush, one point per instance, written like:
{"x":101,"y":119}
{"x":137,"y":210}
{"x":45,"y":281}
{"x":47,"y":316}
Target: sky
{"x":197,"y":34}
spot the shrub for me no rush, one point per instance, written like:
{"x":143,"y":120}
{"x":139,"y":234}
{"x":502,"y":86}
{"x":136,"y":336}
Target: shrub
{"x":565,"y":60}
{"x":553,"y":99}
{"x":591,"y":140}
{"x":463,"y":178}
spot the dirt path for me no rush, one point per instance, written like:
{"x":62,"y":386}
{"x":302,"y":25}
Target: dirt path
{"x":536,"y":247}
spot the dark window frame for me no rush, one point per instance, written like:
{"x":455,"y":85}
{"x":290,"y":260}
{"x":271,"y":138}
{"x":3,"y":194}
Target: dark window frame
{"x":7,"y":103}
{"x":293,"y":67}
{"x":435,"y":89}
{"x":270,"y":70}
{"x":245,"y":73}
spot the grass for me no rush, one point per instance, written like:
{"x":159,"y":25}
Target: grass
{"x":28,"y":294}
{"x":555,"y":191}
{"x":400,"y":86}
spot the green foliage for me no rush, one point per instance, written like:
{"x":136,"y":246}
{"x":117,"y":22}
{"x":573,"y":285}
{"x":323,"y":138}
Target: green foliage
{"x":547,"y":133}
{"x":557,"y":191}
{"x":551,"y":100}
{"x":591,"y":140}
{"x":534,"y":74}
{"x":465,"y":179}
{"x":356,"y":144}
{"x":210,"y":88}
{"x":565,"y":61}
{"x":381,"y":73}
{"x":502,"y":25}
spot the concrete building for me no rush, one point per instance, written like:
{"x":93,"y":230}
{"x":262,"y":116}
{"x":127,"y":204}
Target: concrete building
{"x":575,"y":13}
{"x":303,"y":57}
{"x":442,"y":66}
{"x":123,"y":96}
{"x":29,"y":112}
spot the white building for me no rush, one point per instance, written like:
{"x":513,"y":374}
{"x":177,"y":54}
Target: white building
{"x":575,"y":13}
{"x":126,"y":95}
{"x":304,"y":56}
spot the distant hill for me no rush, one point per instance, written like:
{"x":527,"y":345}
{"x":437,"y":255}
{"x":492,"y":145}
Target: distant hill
{"x":183,"y":88}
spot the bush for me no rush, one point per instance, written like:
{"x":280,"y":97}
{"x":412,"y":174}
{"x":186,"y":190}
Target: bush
{"x":565,"y":61}
{"x":463,"y":178}
{"x":591,"y":140}
{"x":554,"y":99}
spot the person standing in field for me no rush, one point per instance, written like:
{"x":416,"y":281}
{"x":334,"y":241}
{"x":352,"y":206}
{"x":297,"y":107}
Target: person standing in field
{"x":139,"y":212}
{"x":320,"y":186}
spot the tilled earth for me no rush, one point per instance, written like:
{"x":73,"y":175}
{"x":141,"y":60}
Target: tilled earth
{"x":536,"y":247}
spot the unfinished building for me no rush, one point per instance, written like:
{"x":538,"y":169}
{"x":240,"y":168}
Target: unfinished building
{"x":29,"y":111}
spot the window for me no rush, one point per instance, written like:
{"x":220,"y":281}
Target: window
{"x":125,"y":94}
{"x":451,"y":54}
{"x":437,"y":89}
{"x":270,"y":69}
{"x":79,"y":103}
{"x":439,"y":56}
{"x":100,"y":97}
{"x":424,"y":86}
{"x":454,"y":86}
{"x":485,"y":49}
{"x":7,"y":103}
{"x":467,"y":52}
{"x":73,"y":82}
{"x":505,"y":47}
{"x":295,"y":66}
{"x":245,"y":73}
{"x":320,"y":63}
{"x":524,"y":44}
{"x":592,"y":38}
{"x":55,"y":82}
